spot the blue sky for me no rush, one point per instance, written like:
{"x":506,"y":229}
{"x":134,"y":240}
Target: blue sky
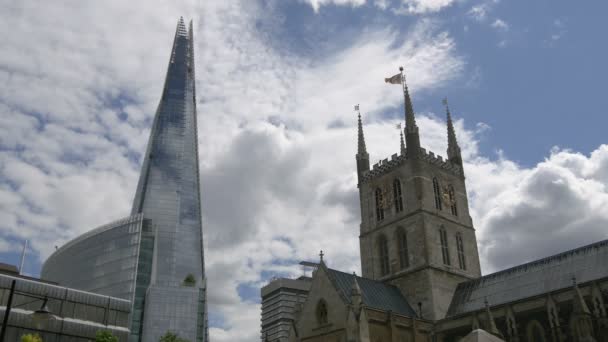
{"x":276,"y":83}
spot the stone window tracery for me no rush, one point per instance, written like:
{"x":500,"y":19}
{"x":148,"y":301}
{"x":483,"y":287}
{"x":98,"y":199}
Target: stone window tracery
{"x":460,"y":248}
{"x":383,"y":255}
{"x":397,"y":195}
{"x":437,"y":193}
{"x":535,"y":332}
{"x":452,"y":198}
{"x":404,"y":259}
{"x":379,"y":207}
{"x":321,"y":312}
{"x":445,"y":253}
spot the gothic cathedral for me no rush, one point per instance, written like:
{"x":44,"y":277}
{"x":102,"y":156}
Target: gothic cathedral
{"x":416,"y":232}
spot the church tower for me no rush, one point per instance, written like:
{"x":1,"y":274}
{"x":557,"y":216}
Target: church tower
{"x":416,"y":232}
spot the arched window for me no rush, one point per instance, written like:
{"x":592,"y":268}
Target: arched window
{"x":379,"y":205}
{"x":452,"y":197}
{"x":321,"y":312}
{"x":383,"y":254}
{"x":445,"y":252}
{"x":404,"y":258}
{"x":460,"y":248}
{"x":535,"y":332}
{"x":398,"y":198}
{"x":437,"y":192}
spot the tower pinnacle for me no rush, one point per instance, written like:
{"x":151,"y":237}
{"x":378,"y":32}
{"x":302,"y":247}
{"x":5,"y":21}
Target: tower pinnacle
{"x":412,"y":138}
{"x":401,"y":141}
{"x":453,"y":148}
{"x":362,"y":156}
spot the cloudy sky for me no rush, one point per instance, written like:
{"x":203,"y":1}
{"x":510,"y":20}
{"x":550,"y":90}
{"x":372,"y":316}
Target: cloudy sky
{"x":277,"y":81}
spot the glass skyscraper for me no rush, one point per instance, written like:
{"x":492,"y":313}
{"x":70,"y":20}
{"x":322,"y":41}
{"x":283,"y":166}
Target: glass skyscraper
{"x":154,"y":257}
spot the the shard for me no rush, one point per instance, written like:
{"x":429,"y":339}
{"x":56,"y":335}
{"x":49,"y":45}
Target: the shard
{"x":168,"y":195}
{"x":154,"y":257}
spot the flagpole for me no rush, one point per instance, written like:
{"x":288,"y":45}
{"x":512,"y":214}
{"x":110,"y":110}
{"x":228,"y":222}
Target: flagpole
{"x":404,"y":97}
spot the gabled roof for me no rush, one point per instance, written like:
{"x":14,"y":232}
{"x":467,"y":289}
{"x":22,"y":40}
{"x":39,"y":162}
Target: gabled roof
{"x":374,"y":294}
{"x":535,"y":278}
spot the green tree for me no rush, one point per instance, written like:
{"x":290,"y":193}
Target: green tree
{"x":189,"y":280}
{"x":31,"y":338}
{"x":105,"y":336}
{"x":172,"y":337}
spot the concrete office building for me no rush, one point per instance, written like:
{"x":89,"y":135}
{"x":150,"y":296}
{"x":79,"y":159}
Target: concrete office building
{"x":280,"y":299}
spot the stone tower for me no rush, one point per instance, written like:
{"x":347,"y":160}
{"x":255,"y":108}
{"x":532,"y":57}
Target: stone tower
{"x":416,"y":232}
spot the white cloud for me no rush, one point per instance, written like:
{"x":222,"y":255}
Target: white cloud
{"x":500,"y":25}
{"x":403,"y":6}
{"x":422,"y":6}
{"x":316,"y":4}
{"x":480,"y":11}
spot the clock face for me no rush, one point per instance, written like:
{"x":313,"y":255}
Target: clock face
{"x":446,"y":196}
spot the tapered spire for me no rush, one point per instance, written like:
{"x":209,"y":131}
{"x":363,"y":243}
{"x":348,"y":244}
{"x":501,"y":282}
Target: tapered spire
{"x":491,"y":328}
{"x":362,"y":156}
{"x":412,"y":138}
{"x":453,"y":148}
{"x":361,"y":148}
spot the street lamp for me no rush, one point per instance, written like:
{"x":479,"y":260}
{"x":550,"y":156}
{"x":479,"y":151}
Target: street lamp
{"x":42,"y":315}
{"x":39,"y":316}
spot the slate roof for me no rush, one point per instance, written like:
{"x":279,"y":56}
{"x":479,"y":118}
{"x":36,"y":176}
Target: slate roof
{"x":535,"y":278}
{"x":374,"y":294}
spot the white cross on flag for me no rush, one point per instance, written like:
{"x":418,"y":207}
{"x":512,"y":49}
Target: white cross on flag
{"x":394,"y":79}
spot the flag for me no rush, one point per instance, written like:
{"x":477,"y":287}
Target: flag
{"x":356,"y":107}
{"x":394,"y":79}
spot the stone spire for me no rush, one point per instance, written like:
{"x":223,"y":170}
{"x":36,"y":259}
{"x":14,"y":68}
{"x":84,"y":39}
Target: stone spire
{"x":362,"y":156}
{"x":581,"y":323}
{"x":402,"y":143}
{"x":492,"y":329}
{"x":355,"y":295}
{"x":578,"y":303}
{"x":412,"y":138}
{"x":453,"y":148}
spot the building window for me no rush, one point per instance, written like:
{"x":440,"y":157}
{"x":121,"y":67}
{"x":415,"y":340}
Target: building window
{"x":437,"y":192}
{"x":452,"y":197}
{"x":397,"y":196}
{"x":535,"y":332}
{"x":460,"y":248}
{"x":383,"y":254}
{"x":445,"y":252}
{"x":322,"y":312}
{"x":379,"y":206}
{"x":404,"y":259}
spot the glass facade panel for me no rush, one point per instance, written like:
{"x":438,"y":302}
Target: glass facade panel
{"x":103,"y":260}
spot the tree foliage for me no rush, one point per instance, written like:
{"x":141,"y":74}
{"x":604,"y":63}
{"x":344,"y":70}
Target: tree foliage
{"x":189,"y":280}
{"x":105,"y":336}
{"x":172,"y":337}
{"x":31,"y":338}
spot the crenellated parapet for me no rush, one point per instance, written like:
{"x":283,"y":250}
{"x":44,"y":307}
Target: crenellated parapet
{"x":385,"y":166}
